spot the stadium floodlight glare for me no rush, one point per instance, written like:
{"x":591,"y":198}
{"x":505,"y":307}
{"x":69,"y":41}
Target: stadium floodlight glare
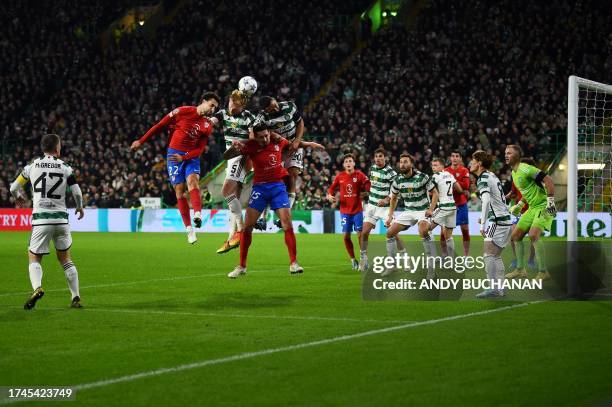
{"x":589,"y":140}
{"x":593,"y":166}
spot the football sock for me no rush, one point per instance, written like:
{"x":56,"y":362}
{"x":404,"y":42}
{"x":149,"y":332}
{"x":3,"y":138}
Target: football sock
{"x":348,"y":243}
{"x":443,"y":246}
{"x":291,"y":245}
{"x":500,"y":270}
{"x":450,"y":247}
{"x":539,"y":255}
{"x":196,"y":200}
{"x":391,"y":246}
{"x":36,"y":273}
{"x":490,"y":266}
{"x":72,"y":277}
{"x":364,"y":244}
{"x":245,"y":242}
{"x":236,"y":208}
{"x":520,"y":254}
{"x":183,"y":207}
{"x":232,"y":225}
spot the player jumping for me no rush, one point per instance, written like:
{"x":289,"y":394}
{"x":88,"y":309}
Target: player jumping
{"x":381,"y":177}
{"x":235,"y":122}
{"x":494,"y":210}
{"x":191,"y":127}
{"x":462,"y":175}
{"x":268,"y":190}
{"x":50,"y":178}
{"x":284,"y":119}
{"x":538,"y":218}
{"x":353,"y":185}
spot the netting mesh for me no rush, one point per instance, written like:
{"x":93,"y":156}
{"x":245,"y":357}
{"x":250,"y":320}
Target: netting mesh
{"x":594,"y":150}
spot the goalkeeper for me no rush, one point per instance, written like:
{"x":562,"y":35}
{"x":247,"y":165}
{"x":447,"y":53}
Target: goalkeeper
{"x":538,"y":191}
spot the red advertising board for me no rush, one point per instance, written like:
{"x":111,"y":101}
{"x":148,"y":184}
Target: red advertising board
{"x":15,"y":219}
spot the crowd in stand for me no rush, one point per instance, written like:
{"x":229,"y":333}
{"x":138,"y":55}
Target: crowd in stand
{"x":468,"y":75}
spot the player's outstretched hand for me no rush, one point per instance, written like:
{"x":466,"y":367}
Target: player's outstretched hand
{"x":317,"y":146}
{"x":136,"y":145}
{"x":482,"y":231}
{"x":428,"y":213}
{"x":80,"y":212}
{"x":516,"y":209}
{"x":176,"y":158}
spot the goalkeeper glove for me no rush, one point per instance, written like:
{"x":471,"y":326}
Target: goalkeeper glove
{"x":550,"y":206}
{"x":516,"y":209}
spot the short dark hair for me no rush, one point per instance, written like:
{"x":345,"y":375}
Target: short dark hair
{"x":259,"y":126}
{"x":348,"y":155}
{"x":211,"y":95}
{"x":485,"y":159}
{"x":406,"y":155}
{"x":440,"y":160}
{"x":528,"y":160}
{"x":380,"y":150}
{"x":49,"y":143}
{"x":516,"y":148}
{"x":265,"y":102}
{"x":456,"y":152}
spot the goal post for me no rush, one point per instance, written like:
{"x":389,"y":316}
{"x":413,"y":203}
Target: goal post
{"x":589,"y":150}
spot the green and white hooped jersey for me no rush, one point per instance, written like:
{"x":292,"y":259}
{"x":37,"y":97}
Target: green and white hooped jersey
{"x":380,"y":179}
{"x":488,"y":183}
{"x":235,"y":127}
{"x":413,"y":190}
{"x":443,"y":181}
{"x":49,"y":177}
{"x":284,"y":121}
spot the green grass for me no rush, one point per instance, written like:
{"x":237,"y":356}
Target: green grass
{"x":152,"y":301}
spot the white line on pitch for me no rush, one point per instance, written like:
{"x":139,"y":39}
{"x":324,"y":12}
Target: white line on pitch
{"x":224,"y":315}
{"x":314,"y":268}
{"x":249,"y":355}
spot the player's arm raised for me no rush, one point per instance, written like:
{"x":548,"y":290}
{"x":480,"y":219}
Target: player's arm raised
{"x":234,"y":151}
{"x":311,"y":144}
{"x":155,"y":129}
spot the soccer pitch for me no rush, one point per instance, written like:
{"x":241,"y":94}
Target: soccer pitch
{"x":163,"y":325}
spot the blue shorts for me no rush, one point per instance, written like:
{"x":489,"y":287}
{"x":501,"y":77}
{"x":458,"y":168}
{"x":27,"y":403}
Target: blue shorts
{"x":269,"y":193}
{"x":178,"y":172}
{"x":350,"y":222}
{"x":462,"y":215}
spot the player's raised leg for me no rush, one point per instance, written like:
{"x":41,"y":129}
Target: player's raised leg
{"x":183,"y":206}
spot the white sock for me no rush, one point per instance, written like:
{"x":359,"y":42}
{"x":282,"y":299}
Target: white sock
{"x":430,"y":251}
{"x":364,"y":253}
{"x":391,"y":248}
{"x":35,"y":270}
{"x":72,"y":277}
{"x":450,"y":247}
{"x":291,"y":199}
{"x":500,"y":271}
{"x":490,"y":266}
{"x":236,"y":208}
{"x":232,"y":225}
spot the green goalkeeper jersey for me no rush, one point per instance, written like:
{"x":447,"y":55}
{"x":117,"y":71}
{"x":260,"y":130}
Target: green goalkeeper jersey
{"x":525,"y":179}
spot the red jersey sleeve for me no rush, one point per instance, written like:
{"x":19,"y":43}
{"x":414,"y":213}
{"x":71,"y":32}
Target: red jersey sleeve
{"x":365,"y":182}
{"x":464,"y":179}
{"x":167,"y":119}
{"x":334,"y":185}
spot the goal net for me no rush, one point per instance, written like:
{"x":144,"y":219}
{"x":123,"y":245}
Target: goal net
{"x":589,"y":159}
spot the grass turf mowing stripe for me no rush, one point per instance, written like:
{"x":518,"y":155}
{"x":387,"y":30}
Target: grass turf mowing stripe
{"x":161,"y":279}
{"x":223,"y":315}
{"x":249,"y":355}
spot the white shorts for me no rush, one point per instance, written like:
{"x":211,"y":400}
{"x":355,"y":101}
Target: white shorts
{"x":295,"y":160}
{"x":373,"y":213}
{"x":43,"y":234}
{"x":445,"y":217}
{"x":236,"y":169}
{"x":498,"y":234}
{"x":410,"y":218}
